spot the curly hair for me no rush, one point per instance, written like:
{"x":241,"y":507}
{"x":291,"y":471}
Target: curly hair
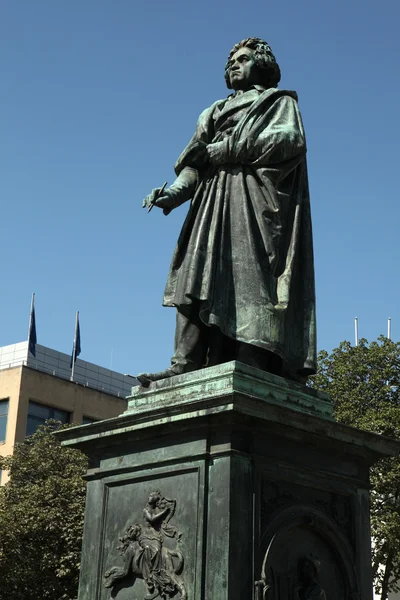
{"x":264,"y":58}
{"x":156,"y":493}
{"x":132,"y":534}
{"x":134,"y":531}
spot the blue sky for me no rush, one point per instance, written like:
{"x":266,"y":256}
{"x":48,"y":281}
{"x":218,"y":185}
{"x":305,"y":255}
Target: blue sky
{"x":99,"y":98}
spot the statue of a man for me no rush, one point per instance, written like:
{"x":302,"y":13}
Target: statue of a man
{"x":242,"y":275}
{"x":308,"y":573}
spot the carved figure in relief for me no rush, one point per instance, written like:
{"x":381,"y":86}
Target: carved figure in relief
{"x":145,"y":556}
{"x":292,"y":582}
{"x":308,"y":571}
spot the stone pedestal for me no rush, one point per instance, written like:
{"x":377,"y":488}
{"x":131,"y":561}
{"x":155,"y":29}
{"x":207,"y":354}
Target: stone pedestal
{"x":253,"y":475}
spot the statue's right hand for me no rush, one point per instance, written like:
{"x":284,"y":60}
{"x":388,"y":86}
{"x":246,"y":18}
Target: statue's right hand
{"x":164,"y":201}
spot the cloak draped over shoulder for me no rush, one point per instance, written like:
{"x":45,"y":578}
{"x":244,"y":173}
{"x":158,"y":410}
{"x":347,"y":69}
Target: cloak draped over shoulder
{"x":245,"y":253}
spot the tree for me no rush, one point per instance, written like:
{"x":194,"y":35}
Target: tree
{"x":41,"y":519}
{"x":364,"y":384}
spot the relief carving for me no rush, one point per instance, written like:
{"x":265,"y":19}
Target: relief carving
{"x":300,"y":583}
{"x":294,"y":537}
{"x":307,"y":574}
{"x":276,"y":497}
{"x":145,"y":555}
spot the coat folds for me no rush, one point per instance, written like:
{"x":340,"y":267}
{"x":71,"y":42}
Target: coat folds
{"x":245,"y":252}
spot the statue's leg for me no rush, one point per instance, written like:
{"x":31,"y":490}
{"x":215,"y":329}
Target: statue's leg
{"x":191,"y":341}
{"x":221,"y":348}
{"x":259,"y":358}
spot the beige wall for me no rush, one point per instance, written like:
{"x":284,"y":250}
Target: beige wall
{"x":22,"y":384}
{"x":70,"y":396}
{"x":10,"y":383}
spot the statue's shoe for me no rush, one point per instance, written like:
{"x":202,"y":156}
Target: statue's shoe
{"x":147,"y":378}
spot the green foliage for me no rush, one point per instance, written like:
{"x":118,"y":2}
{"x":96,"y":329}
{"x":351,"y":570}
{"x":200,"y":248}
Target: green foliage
{"x":41,"y":519}
{"x":364,"y":384}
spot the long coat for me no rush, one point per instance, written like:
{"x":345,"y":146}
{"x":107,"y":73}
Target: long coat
{"x":245,"y":253}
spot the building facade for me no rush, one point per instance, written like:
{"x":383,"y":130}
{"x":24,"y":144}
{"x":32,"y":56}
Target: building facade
{"x":36,"y":388}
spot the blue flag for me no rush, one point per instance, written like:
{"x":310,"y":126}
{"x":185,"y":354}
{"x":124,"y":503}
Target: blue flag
{"x":76,"y":348}
{"x":32,"y":339}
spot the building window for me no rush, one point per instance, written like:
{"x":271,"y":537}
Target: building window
{"x":3,"y":419}
{"x":38,"y":414}
{"x":87,"y":420}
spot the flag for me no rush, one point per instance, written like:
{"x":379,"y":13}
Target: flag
{"x":32,"y":339}
{"x":76,"y":348}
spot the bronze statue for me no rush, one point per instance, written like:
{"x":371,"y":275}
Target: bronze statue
{"x":242,"y":275}
{"x":308,"y":571}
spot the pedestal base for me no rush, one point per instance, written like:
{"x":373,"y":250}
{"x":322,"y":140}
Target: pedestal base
{"x":252,"y":474}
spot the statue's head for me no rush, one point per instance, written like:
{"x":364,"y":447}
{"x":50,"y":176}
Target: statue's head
{"x":251,"y":62}
{"x":132,"y":534}
{"x":154,"y":497}
{"x":308,"y":569}
{"x":134,"y":531}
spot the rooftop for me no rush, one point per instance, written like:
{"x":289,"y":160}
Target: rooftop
{"x":58,"y":364}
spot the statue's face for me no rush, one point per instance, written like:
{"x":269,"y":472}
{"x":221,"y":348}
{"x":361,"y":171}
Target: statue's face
{"x":243,"y":71}
{"x":153,"y":498}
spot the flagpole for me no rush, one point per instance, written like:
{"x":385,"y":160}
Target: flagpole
{"x":74,"y":349}
{"x":30,"y":324}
